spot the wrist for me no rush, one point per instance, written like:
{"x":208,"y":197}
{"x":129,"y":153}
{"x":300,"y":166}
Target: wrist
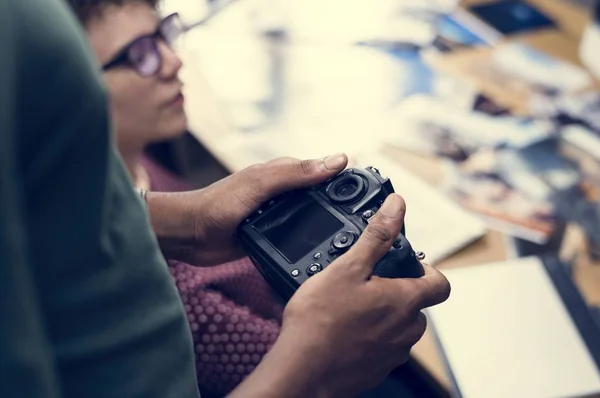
{"x":173,"y":222}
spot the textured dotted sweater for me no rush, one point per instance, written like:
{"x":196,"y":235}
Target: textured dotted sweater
{"x":233,"y":315}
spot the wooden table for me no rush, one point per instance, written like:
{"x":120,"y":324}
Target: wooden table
{"x":209,"y":125}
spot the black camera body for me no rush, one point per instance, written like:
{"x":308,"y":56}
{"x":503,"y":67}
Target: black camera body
{"x":299,"y":233}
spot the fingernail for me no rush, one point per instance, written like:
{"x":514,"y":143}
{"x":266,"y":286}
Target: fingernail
{"x":334,"y":162}
{"x":392,"y":206}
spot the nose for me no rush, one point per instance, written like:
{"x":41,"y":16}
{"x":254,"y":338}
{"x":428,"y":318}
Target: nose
{"x":171,"y":62}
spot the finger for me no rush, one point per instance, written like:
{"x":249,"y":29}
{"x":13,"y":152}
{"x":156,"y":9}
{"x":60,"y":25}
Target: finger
{"x":415,"y":330}
{"x":419,"y":327}
{"x":416,"y":293}
{"x":433,"y":287}
{"x":285,"y":174}
{"x":260,"y":182}
{"x":377,"y":239}
{"x":235,"y":197}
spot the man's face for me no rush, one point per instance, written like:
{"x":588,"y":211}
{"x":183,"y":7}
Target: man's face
{"x":146,"y":108}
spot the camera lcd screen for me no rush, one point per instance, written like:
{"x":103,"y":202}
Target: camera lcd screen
{"x":297,"y":226}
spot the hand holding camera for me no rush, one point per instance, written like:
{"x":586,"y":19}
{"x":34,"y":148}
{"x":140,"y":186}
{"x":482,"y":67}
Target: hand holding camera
{"x":345,"y":330}
{"x":299,"y":233}
{"x":201,"y":229}
{"x":346,"y":327}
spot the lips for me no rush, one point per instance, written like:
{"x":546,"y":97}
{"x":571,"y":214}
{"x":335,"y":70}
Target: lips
{"x":178,"y":100}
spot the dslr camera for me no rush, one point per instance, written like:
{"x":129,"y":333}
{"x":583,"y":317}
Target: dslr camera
{"x":299,"y":233}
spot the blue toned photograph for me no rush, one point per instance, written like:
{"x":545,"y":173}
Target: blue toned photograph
{"x":452,"y":30}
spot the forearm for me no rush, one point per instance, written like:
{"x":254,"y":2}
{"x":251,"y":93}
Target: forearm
{"x":290,"y":370}
{"x":173,"y":223}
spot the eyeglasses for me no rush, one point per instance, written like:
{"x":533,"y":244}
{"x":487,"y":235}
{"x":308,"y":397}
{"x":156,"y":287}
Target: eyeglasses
{"x":143,"y":53}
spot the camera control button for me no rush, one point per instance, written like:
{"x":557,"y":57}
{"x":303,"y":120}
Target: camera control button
{"x":367,"y":214}
{"x":343,"y":240}
{"x":317,"y":255}
{"x":314,"y":268}
{"x":295,"y":273}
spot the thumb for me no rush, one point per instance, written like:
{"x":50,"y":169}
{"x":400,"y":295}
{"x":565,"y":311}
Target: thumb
{"x":259,"y":183}
{"x":285,"y":174}
{"x":379,"y":236}
{"x":234,"y":198}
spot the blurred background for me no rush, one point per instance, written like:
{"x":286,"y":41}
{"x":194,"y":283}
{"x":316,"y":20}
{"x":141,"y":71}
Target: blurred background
{"x":485,"y":114}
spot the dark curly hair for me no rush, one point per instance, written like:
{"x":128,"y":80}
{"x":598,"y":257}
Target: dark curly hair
{"x":88,"y":9}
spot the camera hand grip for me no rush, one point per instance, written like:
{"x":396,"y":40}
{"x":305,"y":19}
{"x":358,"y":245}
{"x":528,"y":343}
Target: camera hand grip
{"x":399,"y":262}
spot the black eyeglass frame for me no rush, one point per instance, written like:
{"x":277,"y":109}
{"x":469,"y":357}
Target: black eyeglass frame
{"x":123,"y":57}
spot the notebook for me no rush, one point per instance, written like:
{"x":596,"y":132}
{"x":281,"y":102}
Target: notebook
{"x":517,"y":329}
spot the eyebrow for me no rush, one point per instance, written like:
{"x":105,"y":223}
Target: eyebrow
{"x":125,"y":46}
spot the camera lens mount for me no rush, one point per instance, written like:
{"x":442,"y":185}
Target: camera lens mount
{"x":345,"y":189}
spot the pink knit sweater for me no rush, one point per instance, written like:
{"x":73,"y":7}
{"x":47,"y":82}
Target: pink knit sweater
{"x":233,"y":315}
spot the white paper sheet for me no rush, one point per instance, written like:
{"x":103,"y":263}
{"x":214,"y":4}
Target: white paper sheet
{"x":583,"y":138}
{"x":475,"y":128}
{"x":506,"y":333}
{"x":538,"y":68}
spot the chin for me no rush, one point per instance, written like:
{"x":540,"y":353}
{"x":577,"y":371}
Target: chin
{"x":174,"y":129}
